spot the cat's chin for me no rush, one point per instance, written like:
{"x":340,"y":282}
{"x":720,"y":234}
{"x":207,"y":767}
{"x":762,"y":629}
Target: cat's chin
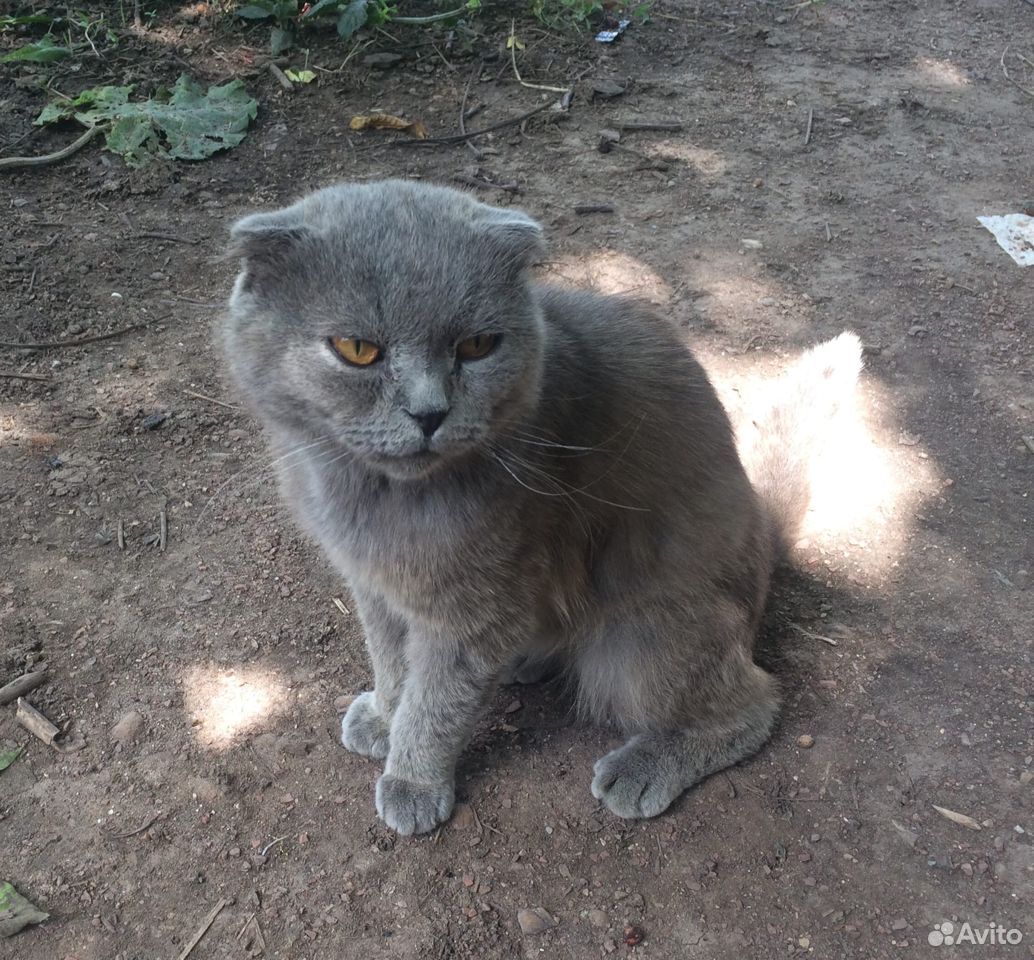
{"x":410,"y":467}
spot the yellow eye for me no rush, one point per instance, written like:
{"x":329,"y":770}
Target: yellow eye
{"x":474,"y":348}
{"x":359,"y":353}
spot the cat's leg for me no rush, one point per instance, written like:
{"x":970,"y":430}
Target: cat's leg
{"x":695,"y":705}
{"x":365,"y":728}
{"x":443,"y":696}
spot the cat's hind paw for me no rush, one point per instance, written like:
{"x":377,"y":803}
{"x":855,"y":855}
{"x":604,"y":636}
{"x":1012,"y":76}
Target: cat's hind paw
{"x":364,"y":730}
{"x":640,"y":779}
{"x":409,"y":807}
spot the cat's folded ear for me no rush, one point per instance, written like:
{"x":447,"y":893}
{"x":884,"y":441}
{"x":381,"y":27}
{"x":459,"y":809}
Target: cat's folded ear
{"x":266,"y":241}
{"x":516,"y":238}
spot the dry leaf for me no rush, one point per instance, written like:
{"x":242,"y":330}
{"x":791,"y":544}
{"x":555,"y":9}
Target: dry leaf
{"x":960,"y":818}
{"x":385,"y":121}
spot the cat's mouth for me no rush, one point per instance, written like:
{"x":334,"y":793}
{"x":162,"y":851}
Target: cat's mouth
{"x":408,"y":465}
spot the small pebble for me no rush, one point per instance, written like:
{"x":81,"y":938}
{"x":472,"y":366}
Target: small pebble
{"x":462,"y":817}
{"x":534,"y":921}
{"x":598,"y":918}
{"x":128,"y":727}
{"x":806,"y":741}
{"x":633,"y":936}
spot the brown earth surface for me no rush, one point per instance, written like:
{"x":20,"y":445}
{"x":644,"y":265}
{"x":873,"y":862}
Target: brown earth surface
{"x":854,"y":144}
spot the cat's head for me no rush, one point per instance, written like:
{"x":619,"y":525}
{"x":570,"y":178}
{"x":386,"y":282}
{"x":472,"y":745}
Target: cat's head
{"x":391,"y":319}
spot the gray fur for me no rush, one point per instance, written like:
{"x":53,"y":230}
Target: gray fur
{"x":583,"y":500}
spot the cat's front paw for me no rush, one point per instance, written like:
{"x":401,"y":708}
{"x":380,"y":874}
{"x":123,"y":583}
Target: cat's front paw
{"x":364,"y":730}
{"x":409,"y":807}
{"x":638,"y":779}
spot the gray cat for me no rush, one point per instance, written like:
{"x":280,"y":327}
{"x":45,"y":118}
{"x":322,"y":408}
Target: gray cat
{"x":509,"y":474}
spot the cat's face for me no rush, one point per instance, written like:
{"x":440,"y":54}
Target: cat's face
{"x":390,"y":321}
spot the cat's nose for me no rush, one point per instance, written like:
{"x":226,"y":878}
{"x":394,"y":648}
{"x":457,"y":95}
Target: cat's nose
{"x":429,"y":420}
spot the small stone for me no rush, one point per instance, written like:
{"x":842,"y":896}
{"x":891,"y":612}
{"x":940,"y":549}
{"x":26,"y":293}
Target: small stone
{"x":749,"y":244}
{"x":462,"y":817}
{"x":128,"y":728}
{"x":513,"y":706}
{"x":609,"y":946}
{"x":157,"y":275}
{"x":534,"y":921}
{"x":804,"y":942}
{"x":967,"y":869}
{"x":598,"y":918}
{"x":806,"y":741}
{"x":606,"y":89}
{"x":154,"y":420}
{"x":205,"y":791}
{"x":815,"y":837}
{"x":610,"y":136}
{"x":900,"y":924}
{"x":633,"y":936}
{"x":381,"y":61}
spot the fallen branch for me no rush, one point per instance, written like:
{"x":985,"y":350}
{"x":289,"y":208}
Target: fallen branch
{"x":20,"y":163}
{"x":1005,"y":73}
{"x":81,"y":341}
{"x":512,"y":44}
{"x":486,"y":184}
{"x":463,"y":137}
{"x":11,"y":375}
{"x":23,"y":685}
{"x":674,"y":126}
{"x":203,"y":929}
{"x":34,"y":721}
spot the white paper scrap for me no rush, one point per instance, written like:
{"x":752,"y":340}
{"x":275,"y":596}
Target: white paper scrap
{"x":1015,"y":235}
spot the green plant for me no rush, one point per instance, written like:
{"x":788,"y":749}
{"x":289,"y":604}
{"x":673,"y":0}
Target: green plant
{"x":578,"y":12}
{"x":349,"y":16}
{"x":66,"y":27}
{"x":185,"y":123}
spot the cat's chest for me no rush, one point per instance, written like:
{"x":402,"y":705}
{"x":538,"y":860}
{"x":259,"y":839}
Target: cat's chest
{"x":408,"y":539}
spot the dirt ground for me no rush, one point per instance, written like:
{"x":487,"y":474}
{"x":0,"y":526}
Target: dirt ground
{"x":852,"y":144}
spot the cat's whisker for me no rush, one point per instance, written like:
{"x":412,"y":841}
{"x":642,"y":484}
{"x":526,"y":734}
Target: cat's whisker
{"x":262,"y":473}
{"x":558,"y":485}
{"x":567,"y":489}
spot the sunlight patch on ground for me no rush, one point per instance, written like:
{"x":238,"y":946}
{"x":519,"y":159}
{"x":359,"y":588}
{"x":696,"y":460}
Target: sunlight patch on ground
{"x":941,"y":74}
{"x":17,"y":429}
{"x":709,"y":164}
{"x":609,"y":272}
{"x":224,"y":704}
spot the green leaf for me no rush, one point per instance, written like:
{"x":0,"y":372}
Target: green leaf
{"x":285,"y":10}
{"x":300,"y":76}
{"x":188,"y":124}
{"x":28,"y":20}
{"x":352,"y":18}
{"x":280,"y":39}
{"x":253,"y":12}
{"x":8,"y":757}
{"x":320,"y":6}
{"x":42,"y":51}
{"x":16,"y":912}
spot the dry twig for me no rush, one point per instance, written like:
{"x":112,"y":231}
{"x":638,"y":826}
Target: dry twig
{"x":78,"y":342}
{"x":20,"y":163}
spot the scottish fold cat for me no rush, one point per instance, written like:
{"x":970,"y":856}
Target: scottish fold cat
{"x":508,"y":474}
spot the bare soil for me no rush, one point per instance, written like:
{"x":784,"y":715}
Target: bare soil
{"x":856,"y":143}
